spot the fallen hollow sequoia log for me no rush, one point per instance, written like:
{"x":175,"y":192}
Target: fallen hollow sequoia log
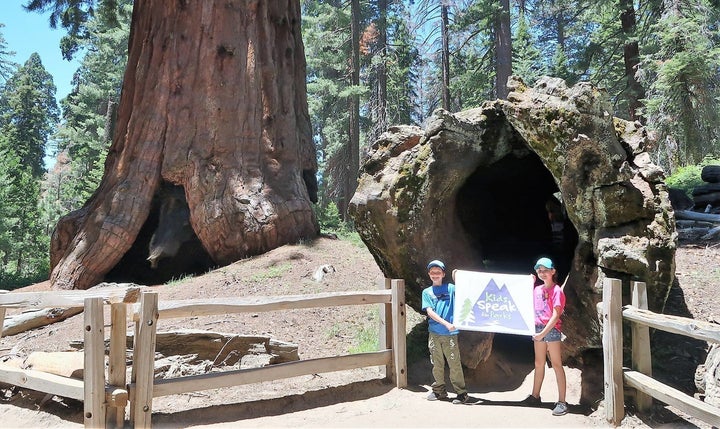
{"x":473,"y":188}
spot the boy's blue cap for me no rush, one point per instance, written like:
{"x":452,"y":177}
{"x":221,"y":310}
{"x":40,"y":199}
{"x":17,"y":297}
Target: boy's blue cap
{"x":436,"y":263}
{"x":544,"y":262}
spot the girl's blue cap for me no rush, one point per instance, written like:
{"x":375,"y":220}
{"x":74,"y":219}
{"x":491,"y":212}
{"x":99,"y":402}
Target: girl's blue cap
{"x":544,"y":262}
{"x":436,"y":263}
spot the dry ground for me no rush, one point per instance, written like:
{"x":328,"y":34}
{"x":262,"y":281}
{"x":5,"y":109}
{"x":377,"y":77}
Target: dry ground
{"x":358,"y":398}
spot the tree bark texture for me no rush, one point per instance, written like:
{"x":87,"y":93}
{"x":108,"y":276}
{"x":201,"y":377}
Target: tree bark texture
{"x":214,"y":101}
{"x":503,"y":50}
{"x":445,"y":55}
{"x":631,"y":56}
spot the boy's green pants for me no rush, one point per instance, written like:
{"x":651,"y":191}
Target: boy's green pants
{"x":442,"y":348}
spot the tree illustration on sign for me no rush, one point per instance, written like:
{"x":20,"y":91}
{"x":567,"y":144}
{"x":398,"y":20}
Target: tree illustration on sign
{"x":465,"y":312}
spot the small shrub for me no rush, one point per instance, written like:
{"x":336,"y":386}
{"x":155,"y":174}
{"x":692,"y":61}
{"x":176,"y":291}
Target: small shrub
{"x":688,"y":177}
{"x":331,"y":223}
{"x":367,"y":339}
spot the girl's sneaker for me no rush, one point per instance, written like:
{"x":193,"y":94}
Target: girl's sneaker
{"x":561,"y":408}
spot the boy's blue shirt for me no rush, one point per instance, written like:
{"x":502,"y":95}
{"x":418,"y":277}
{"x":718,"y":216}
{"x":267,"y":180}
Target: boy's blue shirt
{"x":442,"y":300}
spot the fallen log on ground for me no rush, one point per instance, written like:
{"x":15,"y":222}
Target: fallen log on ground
{"x":66,"y":364}
{"x":691,"y":215}
{"x":34,"y":319}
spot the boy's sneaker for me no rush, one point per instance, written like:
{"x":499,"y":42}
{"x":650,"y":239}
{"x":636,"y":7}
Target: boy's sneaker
{"x":561,"y":408}
{"x":461,"y":399}
{"x":435,"y":397}
{"x":531,"y":401}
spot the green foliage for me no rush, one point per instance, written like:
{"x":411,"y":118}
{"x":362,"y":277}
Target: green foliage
{"x":366,"y":338}
{"x":526,"y":56}
{"x":27,"y":114}
{"x":85,"y":135}
{"x":7,"y":67}
{"x":688,"y":177}
{"x":680,"y":71}
{"x":331,"y":223}
{"x":329,"y":217}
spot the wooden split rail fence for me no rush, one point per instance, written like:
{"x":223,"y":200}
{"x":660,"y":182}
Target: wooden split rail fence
{"x":106,"y":397}
{"x":639,"y":376}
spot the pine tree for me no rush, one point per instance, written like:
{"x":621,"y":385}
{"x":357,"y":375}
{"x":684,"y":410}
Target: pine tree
{"x":474,"y":52}
{"x":7,"y":67}
{"x":527,"y":63}
{"x":680,"y":73}
{"x":28,"y":112}
{"x":326,"y":35}
{"x":402,"y":69}
{"x":88,"y":115}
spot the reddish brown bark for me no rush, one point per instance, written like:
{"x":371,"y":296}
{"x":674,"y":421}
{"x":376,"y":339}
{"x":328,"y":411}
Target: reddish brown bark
{"x":213,"y":100}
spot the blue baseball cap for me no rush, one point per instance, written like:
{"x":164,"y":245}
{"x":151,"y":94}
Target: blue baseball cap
{"x":436,"y":263}
{"x":544,"y":262}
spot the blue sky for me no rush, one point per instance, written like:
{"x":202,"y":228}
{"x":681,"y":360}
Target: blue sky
{"x":26,"y":33}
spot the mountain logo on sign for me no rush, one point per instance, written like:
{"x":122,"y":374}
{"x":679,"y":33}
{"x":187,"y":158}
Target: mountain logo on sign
{"x":494,"y":307}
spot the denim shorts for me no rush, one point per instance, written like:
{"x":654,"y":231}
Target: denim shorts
{"x":552,"y":336}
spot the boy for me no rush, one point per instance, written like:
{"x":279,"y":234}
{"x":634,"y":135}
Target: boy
{"x":438,"y":301}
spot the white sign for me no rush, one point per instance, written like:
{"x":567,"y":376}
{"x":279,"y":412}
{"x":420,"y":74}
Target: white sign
{"x":492,"y":302}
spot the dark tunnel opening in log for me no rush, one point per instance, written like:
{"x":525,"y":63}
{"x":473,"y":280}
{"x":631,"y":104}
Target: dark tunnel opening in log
{"x":513,"y":214}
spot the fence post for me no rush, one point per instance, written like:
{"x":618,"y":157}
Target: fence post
{"x":144,"y":361}
{"x":641,"y":356}
{"x":399,"y":335}
{"x":385,"y":335}
{"x":94,"y":404}
{"x":612,"y":350}
{"x":2,"y":320}
{"x":117,"y":367}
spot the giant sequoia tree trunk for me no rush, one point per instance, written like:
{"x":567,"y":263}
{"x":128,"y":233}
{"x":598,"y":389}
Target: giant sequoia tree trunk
{"x":213,"y":102}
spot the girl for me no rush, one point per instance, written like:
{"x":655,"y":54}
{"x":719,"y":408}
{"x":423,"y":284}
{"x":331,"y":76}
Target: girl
{"x":549,"y":303}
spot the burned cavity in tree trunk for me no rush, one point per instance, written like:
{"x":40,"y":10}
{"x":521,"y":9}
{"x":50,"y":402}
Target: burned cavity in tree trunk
{"x":167,"y":247}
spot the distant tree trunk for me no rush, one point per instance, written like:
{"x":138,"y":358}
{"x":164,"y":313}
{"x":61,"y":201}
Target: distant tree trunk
{"x":631,"y":55}
{"x":503,"y":50}
{"x":214,"y":101}
{"x":445,"y":55}
{"x":354,"y":121}
{"x":382,"y":67}
{"x":110,"y":112}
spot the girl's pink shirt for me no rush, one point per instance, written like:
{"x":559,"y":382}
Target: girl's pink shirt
{"x":544,"y":300}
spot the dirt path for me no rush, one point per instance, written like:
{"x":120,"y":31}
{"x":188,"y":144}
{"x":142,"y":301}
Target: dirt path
{"x":392,"y":407}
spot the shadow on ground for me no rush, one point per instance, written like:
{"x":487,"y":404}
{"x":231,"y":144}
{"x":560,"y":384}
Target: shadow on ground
{"x":272,"y":407}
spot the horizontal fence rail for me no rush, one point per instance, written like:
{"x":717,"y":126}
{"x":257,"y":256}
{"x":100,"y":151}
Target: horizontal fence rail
{"x":704,"y":331}
{"x":216,"y":380}
{"x":143,"y":388}
{"x":212,"y":307}
{"x":639,"y":377}
{"x":105,"y":398}
{"x":98,"y":394}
